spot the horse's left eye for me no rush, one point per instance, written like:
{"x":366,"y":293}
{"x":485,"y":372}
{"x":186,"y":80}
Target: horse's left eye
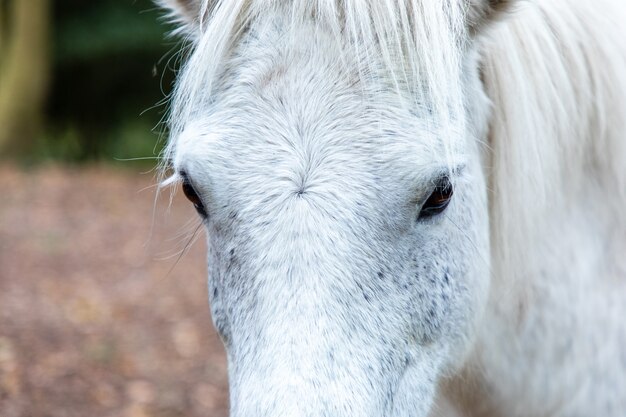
{"x":438,"y":199}
{"x":192,"y":196}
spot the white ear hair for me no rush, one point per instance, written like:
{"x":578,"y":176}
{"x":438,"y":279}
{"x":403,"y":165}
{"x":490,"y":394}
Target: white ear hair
{"x":482,"y":14}
{"x":187,"y":14}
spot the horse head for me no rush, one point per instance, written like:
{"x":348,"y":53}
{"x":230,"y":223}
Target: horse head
{"x":333,"y":151}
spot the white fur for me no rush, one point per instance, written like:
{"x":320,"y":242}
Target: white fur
{"x":313,"y":131}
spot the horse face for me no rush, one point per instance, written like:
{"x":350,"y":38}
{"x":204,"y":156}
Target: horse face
{"x":348,"y":251}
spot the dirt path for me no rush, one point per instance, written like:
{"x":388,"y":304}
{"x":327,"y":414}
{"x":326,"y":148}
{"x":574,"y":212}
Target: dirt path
{"x":92,"y":323}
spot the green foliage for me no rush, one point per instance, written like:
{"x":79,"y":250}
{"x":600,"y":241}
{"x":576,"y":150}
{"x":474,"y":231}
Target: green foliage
{"x":111,"y":69}
{"x":90,"y":31}
{"x":129,"y":144}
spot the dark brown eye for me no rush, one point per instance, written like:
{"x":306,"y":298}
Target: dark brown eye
{"x":192,"y":196}
{"x":438,"y":199}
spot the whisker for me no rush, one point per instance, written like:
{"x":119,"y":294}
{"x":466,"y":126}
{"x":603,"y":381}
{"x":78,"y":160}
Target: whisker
{"x":192,"y":239}
{"x":141,"y":158}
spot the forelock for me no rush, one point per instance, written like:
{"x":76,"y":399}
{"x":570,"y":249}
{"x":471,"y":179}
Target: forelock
{"x":419,"y":42}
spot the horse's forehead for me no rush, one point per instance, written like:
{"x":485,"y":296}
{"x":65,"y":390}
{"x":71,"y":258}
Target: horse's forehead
{"x":277,"y":129}
{"x":310,"y":90}
{"x":299,"y":93}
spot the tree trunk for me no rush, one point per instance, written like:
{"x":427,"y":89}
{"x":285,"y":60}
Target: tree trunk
{"x":2,"y":28}
{"x":24,"y":65}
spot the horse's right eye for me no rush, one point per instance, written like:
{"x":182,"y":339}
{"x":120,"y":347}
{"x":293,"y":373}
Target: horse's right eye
{"x":193,"y":196}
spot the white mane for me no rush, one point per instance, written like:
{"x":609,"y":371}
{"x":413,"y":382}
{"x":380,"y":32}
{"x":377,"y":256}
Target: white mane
{"x":557,"y":78}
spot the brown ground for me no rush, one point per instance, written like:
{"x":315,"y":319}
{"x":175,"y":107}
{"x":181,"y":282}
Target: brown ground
{"x":92,"y":321}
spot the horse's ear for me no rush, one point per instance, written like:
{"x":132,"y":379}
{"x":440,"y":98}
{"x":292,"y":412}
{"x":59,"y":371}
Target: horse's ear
{"x":185,"y":13}
{"x":483,"y":13}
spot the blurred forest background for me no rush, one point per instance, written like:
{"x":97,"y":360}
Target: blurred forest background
{"x":103,"y":306}
{"x":82,"y":80}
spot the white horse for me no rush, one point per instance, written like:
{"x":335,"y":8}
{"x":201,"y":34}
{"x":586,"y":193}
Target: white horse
{"x":410,"y":202}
